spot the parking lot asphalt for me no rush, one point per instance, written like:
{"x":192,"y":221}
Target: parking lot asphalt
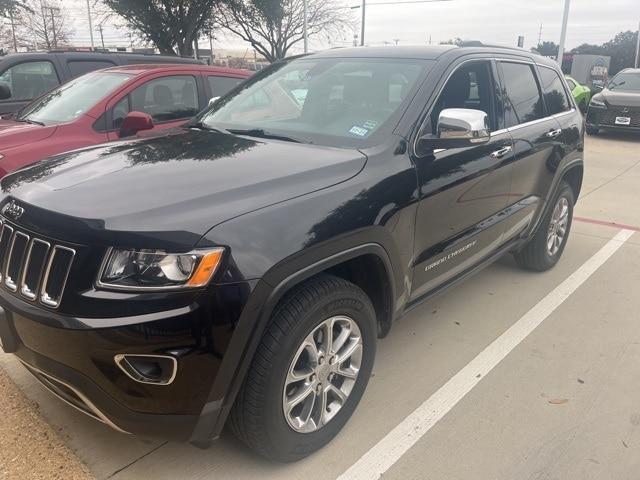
{"x":556,"y":394}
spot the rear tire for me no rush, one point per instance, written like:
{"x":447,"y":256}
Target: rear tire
{"x":545,"y":248}
{"x":294,"y":361}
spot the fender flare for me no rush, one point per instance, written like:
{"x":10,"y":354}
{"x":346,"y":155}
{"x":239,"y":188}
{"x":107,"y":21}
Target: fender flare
{"x":579,"y":163}
{"x":252,"y":324}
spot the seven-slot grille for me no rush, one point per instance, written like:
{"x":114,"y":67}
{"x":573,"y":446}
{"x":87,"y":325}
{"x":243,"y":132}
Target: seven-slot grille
{"x":32,"y":267}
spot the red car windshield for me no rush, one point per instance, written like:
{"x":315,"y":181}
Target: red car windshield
{"x":74,"y":98}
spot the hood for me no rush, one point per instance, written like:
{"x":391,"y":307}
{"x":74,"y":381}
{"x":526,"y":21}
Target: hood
{"x":14,"y":134}
{"x":175,"y":186}
{"x":619,"y":98}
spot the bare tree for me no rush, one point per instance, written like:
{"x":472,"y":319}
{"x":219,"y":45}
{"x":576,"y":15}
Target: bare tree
{"x":272,"y":27}
{"x":44,"y":25}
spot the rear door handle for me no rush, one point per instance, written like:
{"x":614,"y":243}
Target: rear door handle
{"x":554,"y":133}
{"x":501,"y":153}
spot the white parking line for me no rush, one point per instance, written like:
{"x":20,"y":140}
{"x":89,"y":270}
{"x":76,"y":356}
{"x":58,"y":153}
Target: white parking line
{"x":374,"y":463}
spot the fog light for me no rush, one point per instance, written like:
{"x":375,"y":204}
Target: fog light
{"x":150,"y":369}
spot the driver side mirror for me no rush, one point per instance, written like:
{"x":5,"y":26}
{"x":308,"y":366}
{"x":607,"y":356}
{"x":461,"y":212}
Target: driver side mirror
{"x":459,"y":128}
{"x":5,"y":91}
{"x":597,"y":88}
{"x":135,"y":122}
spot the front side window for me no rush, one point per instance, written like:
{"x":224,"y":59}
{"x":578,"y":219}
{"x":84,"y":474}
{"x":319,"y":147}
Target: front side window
{"x":74,"y":98}
{"x":572,"y":84}
{"x":626,"y":81}
{"x":29,"y":80}
{"x":331,"y":101}
{"x":471,"y":86}
{"x":167,"y":98}
{"x":524,"y":103}
{"x":555,"y":96}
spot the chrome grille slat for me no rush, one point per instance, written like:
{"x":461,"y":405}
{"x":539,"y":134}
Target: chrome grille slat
{"x":15,"y":256}
{"x":45,"y":297}
{"x":31,"y":291}
{"x":32,"y":267}
{"x":5,"y":239}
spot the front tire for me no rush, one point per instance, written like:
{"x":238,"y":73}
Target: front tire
{"x":592,"y":130}
{"x":309,"y":372}
{"x":545,"y":248}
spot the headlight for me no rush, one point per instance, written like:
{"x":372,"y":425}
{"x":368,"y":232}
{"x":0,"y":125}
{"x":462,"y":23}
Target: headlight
{"x":127,"y":269}
{"x":595,"y":102}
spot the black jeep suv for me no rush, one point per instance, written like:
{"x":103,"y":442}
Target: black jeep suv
{"x":242,"y":268}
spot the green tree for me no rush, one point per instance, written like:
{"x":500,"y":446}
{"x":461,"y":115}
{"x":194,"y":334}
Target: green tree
{"x":547,"y":49}
{"x":171,"y":25}
{"x":621,"y":49}
{"x":272,"y":27}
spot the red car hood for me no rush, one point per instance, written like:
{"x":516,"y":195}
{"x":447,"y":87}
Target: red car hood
{"x":14,"y":134}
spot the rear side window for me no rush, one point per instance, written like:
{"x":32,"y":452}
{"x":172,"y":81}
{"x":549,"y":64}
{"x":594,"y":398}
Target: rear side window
{"x":221,"y":85}
{"x":166,"y":98}
{"x":524,"y":103}
{"x":555,"y":96}
{"x":29,"y":80}
{"x":80,"y":67}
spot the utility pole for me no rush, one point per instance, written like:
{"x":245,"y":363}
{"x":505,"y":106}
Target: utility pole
{"x":364,"y":5}
{"x":101,"y":36}
{"x":540,"y":36}
{"x":13,"y":31}
{"x":637,"y":63}
{"x":90,"y":24}
{"x":211,"y":46}
{"x":305,"y":26}
{"x":563,"y":34}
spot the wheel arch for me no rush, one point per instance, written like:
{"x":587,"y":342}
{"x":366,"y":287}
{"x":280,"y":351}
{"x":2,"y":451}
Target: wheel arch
{"x":269,"y":291}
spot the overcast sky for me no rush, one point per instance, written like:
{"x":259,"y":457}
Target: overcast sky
{"x":495,"y":21}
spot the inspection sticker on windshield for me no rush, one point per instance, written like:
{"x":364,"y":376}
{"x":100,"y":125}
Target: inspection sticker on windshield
{"x":359,"y":131}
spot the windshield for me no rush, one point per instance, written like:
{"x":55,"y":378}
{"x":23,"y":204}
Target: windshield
{"x":69,"y":101}
{"x":330,"y":101}
{"x":629,"y":81}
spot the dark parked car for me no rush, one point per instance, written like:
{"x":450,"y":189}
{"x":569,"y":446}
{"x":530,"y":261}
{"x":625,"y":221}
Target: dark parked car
{"x":26,"y":76}
{"x":617,"y":106}
{"x":110,"y":104}
{"x":243,"y":267}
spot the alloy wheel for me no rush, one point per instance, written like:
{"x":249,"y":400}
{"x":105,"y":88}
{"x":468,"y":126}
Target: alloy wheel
{"x":322,"y":374}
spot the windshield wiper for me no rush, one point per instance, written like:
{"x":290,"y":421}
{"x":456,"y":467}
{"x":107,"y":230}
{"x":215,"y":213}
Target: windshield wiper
{"x":204,"y":126}
{"x":32,"y":122}
{"x":261,"y":133}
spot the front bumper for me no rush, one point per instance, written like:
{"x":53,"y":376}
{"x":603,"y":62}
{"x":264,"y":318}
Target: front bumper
{"x":77,"y":365}
{"x":600,"y":117}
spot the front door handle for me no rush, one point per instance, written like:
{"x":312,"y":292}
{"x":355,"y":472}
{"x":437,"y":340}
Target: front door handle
{"x":554,"y":133}
{"x":501,"y":153}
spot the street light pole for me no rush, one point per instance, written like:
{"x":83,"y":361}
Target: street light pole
{"x":90,"y":24}
{"x":563,"y":34}
{"x":637,"y":63}
{"x":364,"y":5}
{"x":304,"y":26}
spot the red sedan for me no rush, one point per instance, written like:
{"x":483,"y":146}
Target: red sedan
{"x":108,"y":105}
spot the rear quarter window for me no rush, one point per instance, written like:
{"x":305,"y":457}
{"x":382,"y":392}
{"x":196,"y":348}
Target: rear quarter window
{"x":555,"y":95}
{"x":524,"y":102}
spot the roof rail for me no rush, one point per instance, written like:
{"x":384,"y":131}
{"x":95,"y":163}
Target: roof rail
{"x":477,"y":43}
